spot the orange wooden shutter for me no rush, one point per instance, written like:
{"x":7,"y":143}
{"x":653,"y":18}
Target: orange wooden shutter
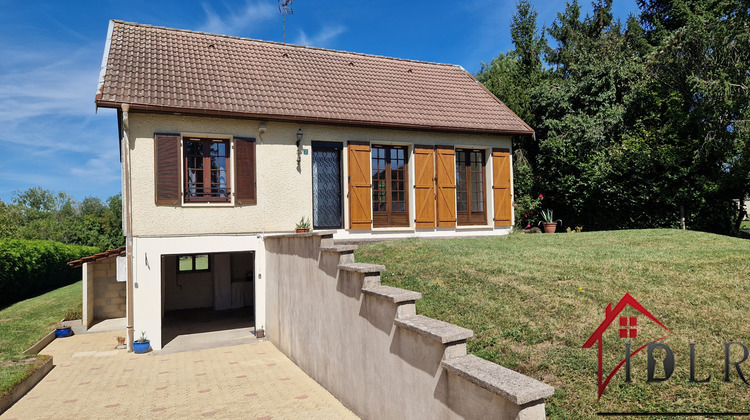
{"x":424,"y":185}
{"x":445,"y":166}
{"x":245,"y":191}
{"x":360,"y":209}
{"x":167,"y":168}
{"x":501,"y":187}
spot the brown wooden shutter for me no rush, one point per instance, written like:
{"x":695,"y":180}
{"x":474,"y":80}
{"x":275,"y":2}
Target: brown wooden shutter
{"x":424,"y":185}
{"x":360,"y":209}
{"x":445,"y":166}
{"x":167,"y":168}
{"x":501,"y":187}
{"x":245,"y":191}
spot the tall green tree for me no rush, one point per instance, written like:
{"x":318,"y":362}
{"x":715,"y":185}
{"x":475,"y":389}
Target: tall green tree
{"x":585,"y":112}
{"x":9,"y":220}
{"x":635,"y":122}
{"x":38,"y":213}
{"x":700,"y":75}
{"x":512,"y":77}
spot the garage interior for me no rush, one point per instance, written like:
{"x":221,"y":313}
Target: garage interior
{"x":208,"y":300}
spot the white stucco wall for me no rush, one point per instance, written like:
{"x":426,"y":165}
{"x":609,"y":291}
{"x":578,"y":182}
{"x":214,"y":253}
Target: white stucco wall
{"x":148,"y":296}
{"x":284,"y":195}
{"x":284,"y":189}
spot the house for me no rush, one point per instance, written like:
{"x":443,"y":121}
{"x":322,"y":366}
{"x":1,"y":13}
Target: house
{"x":225,"y":141}
{"x":628,"y":329}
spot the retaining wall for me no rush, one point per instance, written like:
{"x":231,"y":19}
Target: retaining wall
{"x":365,"y":343}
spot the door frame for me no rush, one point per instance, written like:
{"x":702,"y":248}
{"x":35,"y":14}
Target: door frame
{"x":338,"y":147}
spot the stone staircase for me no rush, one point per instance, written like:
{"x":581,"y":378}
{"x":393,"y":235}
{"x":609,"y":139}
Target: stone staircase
{"x":518,"y":389}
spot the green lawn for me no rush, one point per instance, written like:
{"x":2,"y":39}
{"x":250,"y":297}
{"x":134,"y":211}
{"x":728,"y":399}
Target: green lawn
{"x":745,"y":224}
{"x":533,"y":300}
{"x":24,"y":323}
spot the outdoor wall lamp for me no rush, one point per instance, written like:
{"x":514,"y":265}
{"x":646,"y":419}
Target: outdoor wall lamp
{"x":299,"y":140}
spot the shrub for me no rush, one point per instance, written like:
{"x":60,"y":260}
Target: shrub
{"x":527,"y":210}
{"x":29,"y":268}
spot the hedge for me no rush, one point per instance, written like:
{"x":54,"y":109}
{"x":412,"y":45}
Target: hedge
{"x":29,"y":268}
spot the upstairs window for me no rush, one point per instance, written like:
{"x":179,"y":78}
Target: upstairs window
{"x":206,"y":170}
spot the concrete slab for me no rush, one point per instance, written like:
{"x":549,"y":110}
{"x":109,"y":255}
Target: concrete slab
{"x":211,"y":339}
{"x":115,"y":324}
{"x":249,"y":381}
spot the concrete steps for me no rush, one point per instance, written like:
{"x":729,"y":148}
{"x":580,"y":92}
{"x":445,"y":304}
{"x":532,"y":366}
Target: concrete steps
{"x":517,"y":388}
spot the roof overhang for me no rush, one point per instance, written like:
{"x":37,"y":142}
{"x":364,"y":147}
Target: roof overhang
{"x":305,"y":119}
{"x":117,"y":252}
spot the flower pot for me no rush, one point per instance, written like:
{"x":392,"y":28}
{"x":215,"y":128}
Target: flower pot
{"x":141,"y":347}
{"x":63,"y":332}
{"x":260,"y":333}
{"x":550,"y":227}
{"x":303,"y":230}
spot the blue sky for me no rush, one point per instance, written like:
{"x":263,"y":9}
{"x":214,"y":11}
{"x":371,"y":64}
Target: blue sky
{"x":52,"y":136}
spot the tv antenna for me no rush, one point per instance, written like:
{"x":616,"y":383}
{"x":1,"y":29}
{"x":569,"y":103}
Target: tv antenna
{"x":285,"y":7}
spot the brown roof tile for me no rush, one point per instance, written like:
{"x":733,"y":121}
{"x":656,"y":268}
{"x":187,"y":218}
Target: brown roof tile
{"x":176,"y":70}
{"x":100,"y":256}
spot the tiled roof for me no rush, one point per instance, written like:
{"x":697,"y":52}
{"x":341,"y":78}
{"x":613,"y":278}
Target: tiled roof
{"x":163,"y":69}
{"x":100,"y":256}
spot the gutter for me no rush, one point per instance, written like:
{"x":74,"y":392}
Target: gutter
{"x":127,"y":220}
{"x":312,"y":119}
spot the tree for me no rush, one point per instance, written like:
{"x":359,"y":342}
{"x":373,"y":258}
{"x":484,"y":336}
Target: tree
{"x":41,"y":214}
{"x":9,"y":219}
{"x":586,"y":111}
{"x":700,"y":77}
{"x":633,"y":122}
{"x":512,"y":77}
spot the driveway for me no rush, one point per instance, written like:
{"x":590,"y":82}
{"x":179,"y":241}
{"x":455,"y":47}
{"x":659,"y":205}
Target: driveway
{"x":91,"y":379}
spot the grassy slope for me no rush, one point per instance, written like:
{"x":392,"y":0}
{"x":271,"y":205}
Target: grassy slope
{"x":24,"y":323}
{"x":533,"y":300}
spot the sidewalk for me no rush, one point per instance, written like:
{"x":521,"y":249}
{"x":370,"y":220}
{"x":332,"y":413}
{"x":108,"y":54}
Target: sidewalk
{"x":92,"y":380}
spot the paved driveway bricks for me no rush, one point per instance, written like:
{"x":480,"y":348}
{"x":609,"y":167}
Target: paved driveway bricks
{"x":92,"y":380}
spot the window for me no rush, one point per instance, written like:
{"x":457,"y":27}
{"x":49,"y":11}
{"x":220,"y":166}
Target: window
{"x":390,"y":205}
{"x":192,"y":263}
{"x":628,"y":327}
{"x":470,"y":193}
{"x":206,"y":170}
{"x":206,"y":165}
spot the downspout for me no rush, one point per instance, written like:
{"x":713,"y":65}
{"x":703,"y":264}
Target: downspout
{"x":257,"y":193}
{"x":127,"y":221}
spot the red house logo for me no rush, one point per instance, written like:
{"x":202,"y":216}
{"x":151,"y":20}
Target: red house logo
{"x":628,"y":328}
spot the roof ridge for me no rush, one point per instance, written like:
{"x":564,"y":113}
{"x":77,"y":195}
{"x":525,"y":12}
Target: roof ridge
{"x":282,"y":44}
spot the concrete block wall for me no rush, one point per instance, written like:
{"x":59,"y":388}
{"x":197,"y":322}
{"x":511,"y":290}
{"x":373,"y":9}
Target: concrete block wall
{"x":366,"y":344}
{"x":109,"y":295}
{"x":88,"y":295}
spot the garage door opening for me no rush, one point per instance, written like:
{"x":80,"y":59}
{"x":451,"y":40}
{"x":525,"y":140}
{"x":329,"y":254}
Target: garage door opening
{"x":208,"y":300}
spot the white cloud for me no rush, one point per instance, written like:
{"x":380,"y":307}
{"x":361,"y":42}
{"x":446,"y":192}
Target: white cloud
{"x":48,"y":125}
{"x":47,"y":82}
{"x":103,"y":168}
{"x":326,"y":34}
{"x":238,"y":21}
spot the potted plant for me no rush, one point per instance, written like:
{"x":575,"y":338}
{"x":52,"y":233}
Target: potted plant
{"x":63,"y":330}
{"x":303,"y":225}
{"x":260,"y":332}
{"x":550,"y":225}
{"x":120,"y":342}
{"x":142,"y":344}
